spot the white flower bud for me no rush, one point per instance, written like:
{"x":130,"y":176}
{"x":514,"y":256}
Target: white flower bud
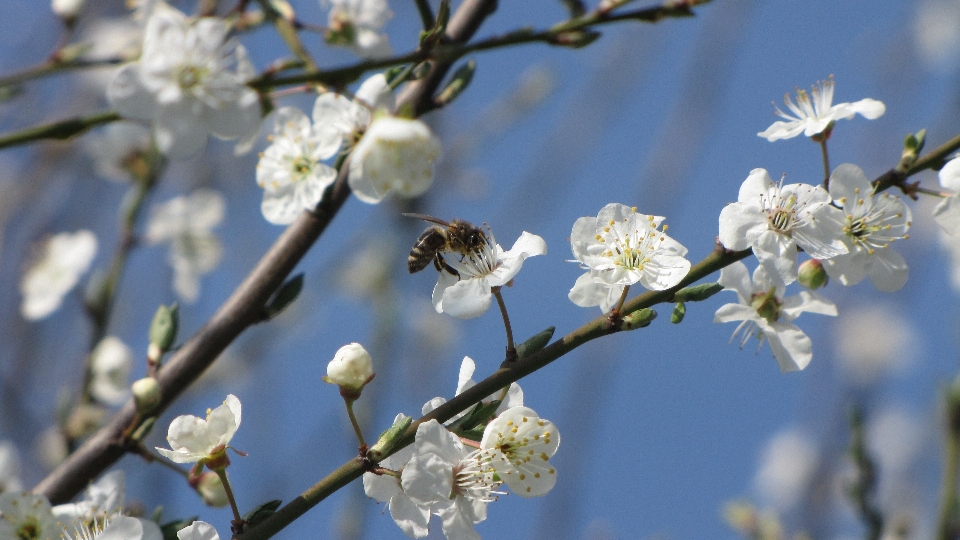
{"x":211,"y":490}
{"x":394,"y":155}
{"x":146,"y":394}
{"x":351,"y":368}
{"x":66,"y":9}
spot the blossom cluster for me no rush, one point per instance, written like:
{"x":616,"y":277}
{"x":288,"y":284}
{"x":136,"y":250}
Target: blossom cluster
{"x":441,"y":475}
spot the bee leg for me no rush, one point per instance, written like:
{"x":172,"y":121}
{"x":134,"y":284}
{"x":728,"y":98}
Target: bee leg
{"x":442,"y":265}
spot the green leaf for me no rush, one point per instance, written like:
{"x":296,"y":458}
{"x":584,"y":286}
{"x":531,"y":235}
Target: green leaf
{"x":679,"y":311}
{"x":262,"y":512}
{"x":697,"y":293}
{"x":285,"y":295}
{"x":535,"y":343}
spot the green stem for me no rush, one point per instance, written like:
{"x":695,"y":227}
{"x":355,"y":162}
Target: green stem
{"x":623,"y":298}
{"x":353,"y":421}
{"x":222,"y":473}
{"x":826,"y":164}
{"x":426,"y":14}
{"x":288,"y":33}
{"x":63,"y":129}
{"x":511,"y":349}
{"x":52,"y":66}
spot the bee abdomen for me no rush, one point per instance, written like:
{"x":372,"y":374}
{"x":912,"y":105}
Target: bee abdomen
{"x":425,"y":250}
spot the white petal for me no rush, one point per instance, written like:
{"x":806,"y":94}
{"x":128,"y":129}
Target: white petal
{"x":735,"y":277}
{"x":950,"y":175}
{"x":791,"y":347}
{"x":467,"y":299}
{"x":734,"y":312}
{"x":198,"y":530}
{"x":947,"y":214}
{"x":740,"y":224}
{"x":409,"y":516}
{"x":870,"y":109}
{"x":129,"y":96}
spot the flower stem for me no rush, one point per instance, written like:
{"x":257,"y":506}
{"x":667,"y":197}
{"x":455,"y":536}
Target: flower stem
{"x":623,"y":298}
{"x":511,"y":350}
{"x":222,"y":473}
{"x":826,"y":164}
{"x":353,"y":421}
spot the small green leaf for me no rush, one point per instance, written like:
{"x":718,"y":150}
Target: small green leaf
{"x":461,"y":79}
{"x":285,"y":295}
{"x":679,"y":311}
{"x":262,"y":512}
{"x":697,"y":293}
{"x":163,"y":329}
{"x":389,"y":438}
{"x":534,"y":344}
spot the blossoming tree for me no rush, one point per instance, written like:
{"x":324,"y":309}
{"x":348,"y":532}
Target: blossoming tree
{"x":291,"y":155}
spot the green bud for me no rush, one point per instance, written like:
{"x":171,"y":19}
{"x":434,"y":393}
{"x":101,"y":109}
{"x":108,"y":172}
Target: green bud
{"x":389,"y":438}
{"x":812,"y":275}
{"x":146,"y":395}
{"x":638,"y":319}
{"x":394,"y":72}
{"x":535,"y":343}
{"x":163,"y":329}
{"x":575,"y":39}
{"x":461,"y":79}
{"x":421,"y":70}
{"x":912,"y":145}
{"x":767,"y":305}
{"x":679,"y":311}
{"x":697,"y":293}
{"x":285,"y":295}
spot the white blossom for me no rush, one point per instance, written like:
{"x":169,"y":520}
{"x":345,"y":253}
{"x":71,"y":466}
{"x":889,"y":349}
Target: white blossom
{"x":118,"y":527}
{"x":874,"y":340}
{"x":27,"y":516}
{"x":450,"y":480}
{"x":394,"y":155}
{"x":66,"y":9}
{"x":619,"y":248}
{"x":102,"y":498}
{"x":412,"y":518}
{"x":190,"y":82}
{"x":291,"y":171}
{"x":518,"y":444}
{"x":774,"y":219}
{"x":513,"y":397}
{"x":357,"y":23}
{"x":817,"y":115}
{"x":193,"y":439}
{"x":468,"y":294}
{"x":352,"y":117}
{"x":64,"y":258}
{"x":186,"y":223}
{"x":872,"y":222}
{"x":947,"y":211}
{"x":198,"y":530}
{"x":110,"y":364}
{"x":767,"y":314}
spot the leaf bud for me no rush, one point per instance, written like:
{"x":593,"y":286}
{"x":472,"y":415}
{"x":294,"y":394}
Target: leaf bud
{"x":698,"y":293}
{"x":163,"y":329}
{"x":638,"y":319}
{"x":679,"y":311}
{"x":389,"y":438}
{"x":812,"y":275}
{"x":461,"y":79}
{"x":146,"y":395}
{"x":575,"y":39}
{"x":351,"y":369}
{"x":535,"y":343}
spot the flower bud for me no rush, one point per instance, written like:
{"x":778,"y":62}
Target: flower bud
{"x":638,"y":319}
{"x":146,"y":395}
{"x":210,"y":488}
{"x":350,"y":369}
{"x":812,"y":275}
{"x":163,"y":329}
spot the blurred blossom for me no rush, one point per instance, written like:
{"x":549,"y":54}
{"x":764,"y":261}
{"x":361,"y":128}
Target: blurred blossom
{"x":947,"y":211}
{"x":951,"y":244}
{"x":114,"y":147}
{"x":365,"y":275}
{"x":356,"y":24}
{"x":894,"y":438}
{"x":102,"y":498}
{"x":110,"y":365}
{"x":27,"y":516}
{"x":186,"y":223}
{"x":9,"y":467}
{"x":190,"y":82}
{"x":51,"y":447}
{"x":786,"y":468}
{"x":936,"y":32}
{"x":432,"y":330}
{"x":63,"y":259}
{"x":872,"y":341}
{"x":66,"y":9}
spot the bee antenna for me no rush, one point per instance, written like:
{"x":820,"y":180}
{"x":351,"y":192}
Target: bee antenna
{"x":425,"y":217}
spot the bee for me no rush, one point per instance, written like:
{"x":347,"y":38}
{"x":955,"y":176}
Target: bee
{"x":457,"y":236}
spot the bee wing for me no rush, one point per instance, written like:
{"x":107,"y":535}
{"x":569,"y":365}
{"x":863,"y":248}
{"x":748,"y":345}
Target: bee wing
{"x":425,"y":217}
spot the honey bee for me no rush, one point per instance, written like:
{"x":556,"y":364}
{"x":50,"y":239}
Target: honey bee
{"x":457,"y":236}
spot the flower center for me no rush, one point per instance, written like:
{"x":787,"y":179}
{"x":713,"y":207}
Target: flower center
{"x":190,"y":76}
{"x":767,"y":305}
{"x":29,"y":529}
{"x":873,"y":228}
{"x":474,"y":480}
{"x":630,"y":249}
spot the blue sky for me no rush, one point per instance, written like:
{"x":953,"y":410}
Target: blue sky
{"x":660,"y":427}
